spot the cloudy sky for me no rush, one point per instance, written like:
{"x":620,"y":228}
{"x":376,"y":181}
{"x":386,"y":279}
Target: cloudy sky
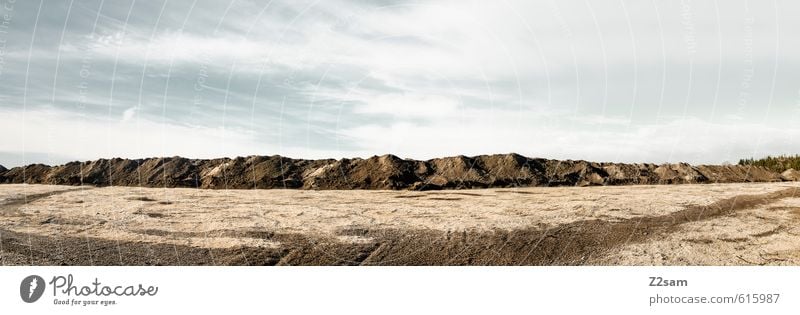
{"x":644,"y":81}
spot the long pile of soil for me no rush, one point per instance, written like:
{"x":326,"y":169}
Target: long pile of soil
{"x":377,"y":172}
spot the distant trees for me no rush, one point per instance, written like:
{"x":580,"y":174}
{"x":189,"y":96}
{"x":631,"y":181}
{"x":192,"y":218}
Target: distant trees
{"x":775,"y":163}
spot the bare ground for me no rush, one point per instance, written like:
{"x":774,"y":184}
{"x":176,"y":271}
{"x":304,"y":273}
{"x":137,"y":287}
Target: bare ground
{"x":712,"y":224}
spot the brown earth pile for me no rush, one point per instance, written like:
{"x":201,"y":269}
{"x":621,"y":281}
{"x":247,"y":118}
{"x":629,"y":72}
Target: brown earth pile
{"x":790,"y":175}
{"x":377,"y":172}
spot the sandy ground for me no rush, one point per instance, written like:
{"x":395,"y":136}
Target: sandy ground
{"x":724,"y":224}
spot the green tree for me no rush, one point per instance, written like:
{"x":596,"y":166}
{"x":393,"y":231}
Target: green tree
{"x":775,"y":163}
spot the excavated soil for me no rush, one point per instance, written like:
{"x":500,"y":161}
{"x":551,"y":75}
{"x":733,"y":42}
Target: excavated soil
{"x":715,"y":224}
{"x":378,"y":172}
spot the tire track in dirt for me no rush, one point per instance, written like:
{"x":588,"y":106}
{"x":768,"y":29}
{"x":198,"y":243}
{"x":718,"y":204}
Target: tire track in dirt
{"x":11,"y":206}
{"x":594,"y":237}
{"x":569,"y":244}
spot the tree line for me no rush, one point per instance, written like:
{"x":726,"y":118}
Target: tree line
{"x":775,"y":163}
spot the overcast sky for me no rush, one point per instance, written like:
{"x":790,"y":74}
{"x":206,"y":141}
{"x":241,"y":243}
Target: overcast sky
{"x":629,"y":81}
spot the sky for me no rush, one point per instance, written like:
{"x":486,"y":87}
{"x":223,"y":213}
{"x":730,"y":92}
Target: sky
{"x":616,"y":81}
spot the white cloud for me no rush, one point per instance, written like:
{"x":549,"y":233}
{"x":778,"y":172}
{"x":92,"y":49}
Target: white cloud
{"x":429,"y":79}
{"x":475,"y":132}
{"x":595,"y":139}
{"x":409,"y":105}
{"x":177,"y":47}
{"x":128,"y":114}
{"x":454,"y":38}
{"x":60,"y":133}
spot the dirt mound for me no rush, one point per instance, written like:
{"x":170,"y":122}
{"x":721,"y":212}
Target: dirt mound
{"x":252,"y":172}
{"x":384,"y":172}
{"x":790,"y":175}
{"x":378,"y":172}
